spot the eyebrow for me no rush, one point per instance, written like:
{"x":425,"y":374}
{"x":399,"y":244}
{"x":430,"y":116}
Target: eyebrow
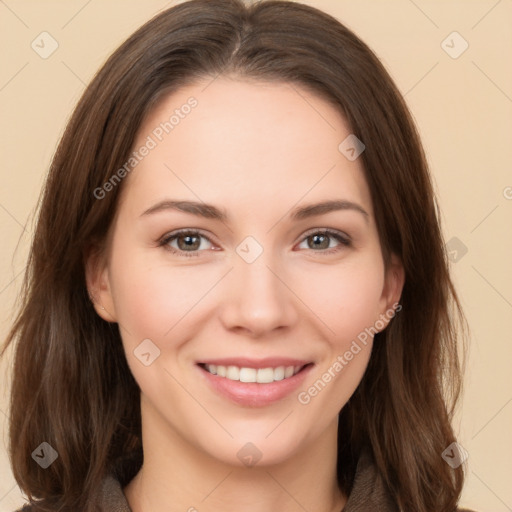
{"x":210,"y":211}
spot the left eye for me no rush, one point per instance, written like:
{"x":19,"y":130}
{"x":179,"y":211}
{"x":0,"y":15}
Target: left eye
{"x":189,"y":242}
{"x":322,"y":239}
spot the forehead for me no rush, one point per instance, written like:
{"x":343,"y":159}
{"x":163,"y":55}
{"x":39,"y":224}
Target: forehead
{"x":245,"y":141}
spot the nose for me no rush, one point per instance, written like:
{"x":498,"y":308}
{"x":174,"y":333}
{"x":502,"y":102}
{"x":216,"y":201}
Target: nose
{"x":259,"y":299}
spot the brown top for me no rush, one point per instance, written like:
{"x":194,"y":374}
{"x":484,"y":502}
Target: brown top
{"x":368,"y":492}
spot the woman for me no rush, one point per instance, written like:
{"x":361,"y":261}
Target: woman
{"x":238,"y":296}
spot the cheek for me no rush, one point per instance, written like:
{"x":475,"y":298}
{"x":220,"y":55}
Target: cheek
{"x":152,"y":299}
{"x":148,"y":302}
{"x":346,"y":297}
{"x":156,"y":303}
{"x":347,"y":300}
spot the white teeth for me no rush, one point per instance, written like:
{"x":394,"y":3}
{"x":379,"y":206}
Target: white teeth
{"x":265,"y":375}
{"x":260,"y":375}
{"x":247,"y":375}
{"x":233,"y":373}
{"x":279,"y":373}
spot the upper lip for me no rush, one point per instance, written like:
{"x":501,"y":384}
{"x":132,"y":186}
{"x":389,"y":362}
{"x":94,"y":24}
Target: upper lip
{"x":244,"y":362}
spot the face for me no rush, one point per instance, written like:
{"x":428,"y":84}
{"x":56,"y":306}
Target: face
{"x":244,"y":269}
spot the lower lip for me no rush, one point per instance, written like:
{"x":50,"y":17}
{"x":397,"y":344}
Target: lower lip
{"x":255,"y":394}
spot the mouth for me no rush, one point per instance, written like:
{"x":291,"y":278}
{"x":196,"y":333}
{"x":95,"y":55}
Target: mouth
{"x":254,"y":383}
{"x":247,"y":374}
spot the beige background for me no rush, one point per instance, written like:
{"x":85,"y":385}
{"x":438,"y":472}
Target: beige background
{"x":463,"y":107}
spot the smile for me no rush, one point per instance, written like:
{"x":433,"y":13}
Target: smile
{"x":254,"y":383}
{"x":260,"y":375}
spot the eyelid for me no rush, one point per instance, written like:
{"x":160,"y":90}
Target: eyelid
{"x":329,"y":231}
{"x":193,"y":231}
{"x":172,"y":235}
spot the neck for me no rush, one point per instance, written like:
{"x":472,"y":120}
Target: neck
{"x":176,"y":475}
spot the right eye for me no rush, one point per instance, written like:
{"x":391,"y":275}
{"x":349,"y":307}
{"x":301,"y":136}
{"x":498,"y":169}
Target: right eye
{"x":188,"y":242}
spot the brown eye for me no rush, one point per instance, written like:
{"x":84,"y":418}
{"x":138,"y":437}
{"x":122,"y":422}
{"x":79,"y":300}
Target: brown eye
{"x":189,"y":243}
{"x":186,"y":242}
{"x":320,"y":241}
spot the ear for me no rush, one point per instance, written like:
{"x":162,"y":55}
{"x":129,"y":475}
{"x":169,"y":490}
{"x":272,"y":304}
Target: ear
{"x":393,"y":285}
{"x":98,"y":283}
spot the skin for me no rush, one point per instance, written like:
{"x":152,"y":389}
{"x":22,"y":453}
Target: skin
{"x":257,"y":150}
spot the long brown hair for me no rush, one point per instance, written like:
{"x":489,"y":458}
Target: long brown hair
{"x":72,"y":386}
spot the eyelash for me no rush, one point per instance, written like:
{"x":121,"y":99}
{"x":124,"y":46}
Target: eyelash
{"x":164,"y":242}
